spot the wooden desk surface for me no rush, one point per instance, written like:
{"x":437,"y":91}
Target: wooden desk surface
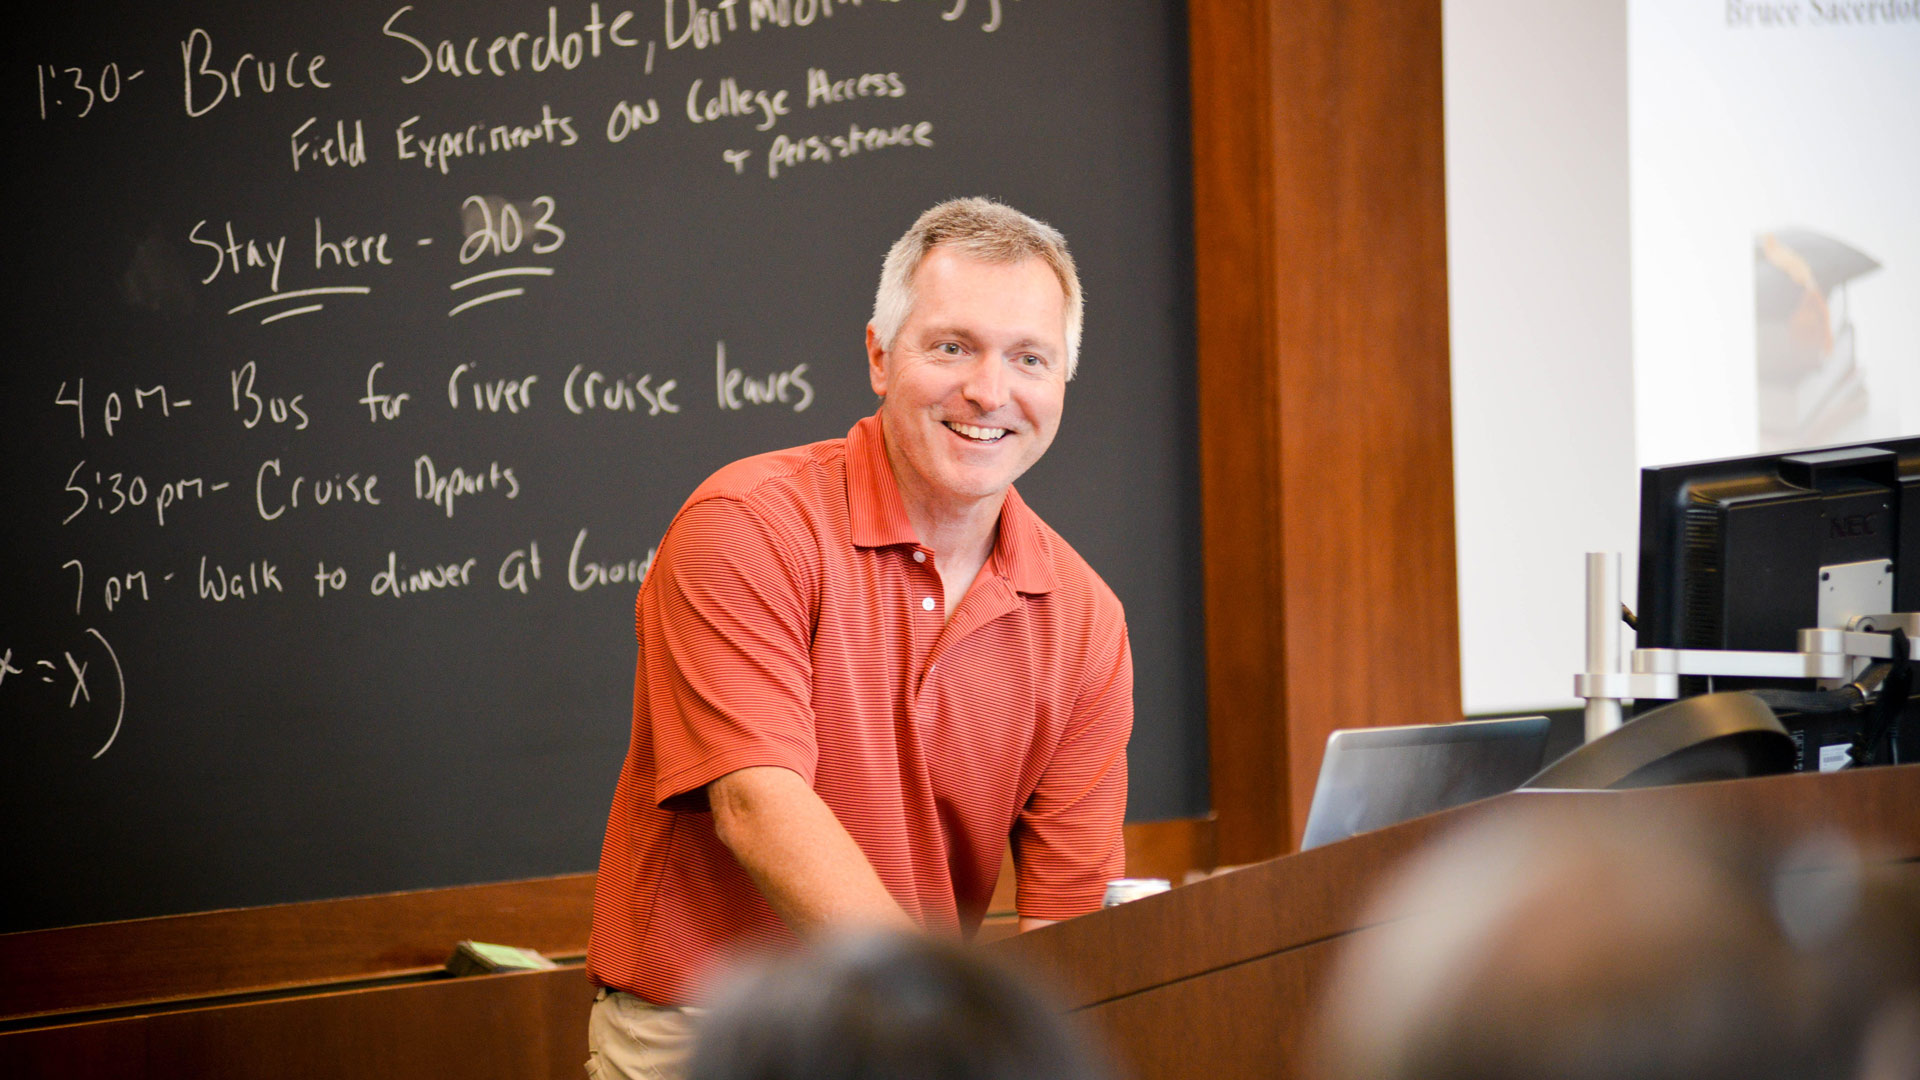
{"x":1222,"y":977}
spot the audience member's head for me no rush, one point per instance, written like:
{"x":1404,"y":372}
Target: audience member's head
{"x":1588,"y":947}
{"x":1860,"y":922}
{"x":887,"y":1007}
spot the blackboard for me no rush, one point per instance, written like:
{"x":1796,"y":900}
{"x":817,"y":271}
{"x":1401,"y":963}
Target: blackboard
{"x":359,"y":355}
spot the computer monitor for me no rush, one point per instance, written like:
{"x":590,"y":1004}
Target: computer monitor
{"x":1743,"y":553}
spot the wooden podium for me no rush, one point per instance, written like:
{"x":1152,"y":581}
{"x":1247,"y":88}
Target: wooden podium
{"x":1222,"y":978}
{"x":1216,"y":979}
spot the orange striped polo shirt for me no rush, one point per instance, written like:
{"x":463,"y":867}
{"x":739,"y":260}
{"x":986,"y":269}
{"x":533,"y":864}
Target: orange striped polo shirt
{"x":792,"y":618}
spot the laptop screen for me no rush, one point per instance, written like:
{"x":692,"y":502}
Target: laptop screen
{"x":1375,"y":777}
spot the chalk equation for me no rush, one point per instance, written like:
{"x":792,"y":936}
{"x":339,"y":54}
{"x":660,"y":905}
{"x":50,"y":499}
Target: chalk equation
{"x":74,"y":677}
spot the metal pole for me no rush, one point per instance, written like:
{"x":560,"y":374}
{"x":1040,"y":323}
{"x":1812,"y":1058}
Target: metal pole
{"x":1603,"y":636}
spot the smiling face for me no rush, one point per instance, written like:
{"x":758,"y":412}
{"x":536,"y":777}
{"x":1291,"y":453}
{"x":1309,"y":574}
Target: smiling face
{"x":974,"y":381}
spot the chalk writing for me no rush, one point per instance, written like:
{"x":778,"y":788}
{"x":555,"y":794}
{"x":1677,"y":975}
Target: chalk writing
{"x":397,"y":580}
{"x":704,"y":24}
{"x":443,"y":488}
{"x":325,"y":579}
{"x":494,"y":226}
{"x":236,"y":258}
{"x":627,"y":118}
{"x":113,"y":407}
{"x":730,"y":99}
{"x":222,"y":585}
{"x":786,"y":153}
{"x":502,"y":55}
{"x":492,"y":395}
{"x":207,"y":86}
{"x":296,"y":294}
{"x":439,"y":151}
{"x":19,"y":672}
{"x":353,"y":251}
{"x":584,"y":574}
{"x":823,"y":89}
{"x":960,"y":8}
{"x":736,"y":390}
{"x":329,"y":148}
{"x":117,"y":491}
{"x":628,"y":394}
{"x":131,"y":585}
{"x":255,"y":408}
{"x":381,"y":406}
{"x":74,"y":88}
{"x":273,"y":497}
{"x":520,"y":566}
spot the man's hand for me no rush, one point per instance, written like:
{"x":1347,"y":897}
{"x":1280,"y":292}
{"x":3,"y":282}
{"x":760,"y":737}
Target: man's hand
{"x":798,"y":854}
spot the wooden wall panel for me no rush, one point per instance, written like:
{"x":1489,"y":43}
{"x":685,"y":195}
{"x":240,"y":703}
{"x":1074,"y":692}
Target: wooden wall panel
{"x":1326,"y":434}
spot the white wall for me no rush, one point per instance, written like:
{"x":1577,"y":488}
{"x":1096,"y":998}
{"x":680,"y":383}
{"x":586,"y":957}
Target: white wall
{"x":1543,"y":405}
{"x":1611,"y":165}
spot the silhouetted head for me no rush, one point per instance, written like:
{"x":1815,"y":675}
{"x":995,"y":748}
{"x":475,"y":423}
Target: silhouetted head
{"x":1584,"y":946}
{"x":886,"y":1007}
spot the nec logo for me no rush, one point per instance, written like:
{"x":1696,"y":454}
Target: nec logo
{"x":1851,"y":525}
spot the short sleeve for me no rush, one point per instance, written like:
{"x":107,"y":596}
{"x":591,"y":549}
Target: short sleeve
{"x":725,"y":643}
{"x":1067,"y":841}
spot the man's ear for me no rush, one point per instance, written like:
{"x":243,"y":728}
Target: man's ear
{"x":876,"y":362}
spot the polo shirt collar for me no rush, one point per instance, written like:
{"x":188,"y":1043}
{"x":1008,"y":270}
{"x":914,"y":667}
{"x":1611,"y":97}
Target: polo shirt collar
{"x":1017,"y":552}
{"x":879,"y":518}
{"x":874,"y":508}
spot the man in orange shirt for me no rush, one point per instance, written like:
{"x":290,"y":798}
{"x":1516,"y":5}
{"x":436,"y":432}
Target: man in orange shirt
{"x":866,"y":667}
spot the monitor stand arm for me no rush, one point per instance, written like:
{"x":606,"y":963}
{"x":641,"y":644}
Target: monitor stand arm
{"x":1832,"y":656}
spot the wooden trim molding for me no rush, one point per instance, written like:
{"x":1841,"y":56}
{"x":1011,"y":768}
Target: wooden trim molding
{"x":249,"y":950}
{"x":1325,"y":416}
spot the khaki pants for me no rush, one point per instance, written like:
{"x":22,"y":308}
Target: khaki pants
{"x":628,"y":1039}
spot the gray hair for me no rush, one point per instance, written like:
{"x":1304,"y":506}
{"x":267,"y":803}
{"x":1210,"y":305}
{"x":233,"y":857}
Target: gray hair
{"x":986,"y":230}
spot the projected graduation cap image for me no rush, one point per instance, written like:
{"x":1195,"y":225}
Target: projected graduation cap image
{"x":1812,"y":390}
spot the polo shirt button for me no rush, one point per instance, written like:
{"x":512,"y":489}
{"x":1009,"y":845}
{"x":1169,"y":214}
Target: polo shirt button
{"x":919,"y":556}
{"x":926,"y":602}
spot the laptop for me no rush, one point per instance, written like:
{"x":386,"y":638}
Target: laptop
{"x":1375,"y":777}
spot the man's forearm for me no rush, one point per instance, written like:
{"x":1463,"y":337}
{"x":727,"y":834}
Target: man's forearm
{"x":799,"y":855}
